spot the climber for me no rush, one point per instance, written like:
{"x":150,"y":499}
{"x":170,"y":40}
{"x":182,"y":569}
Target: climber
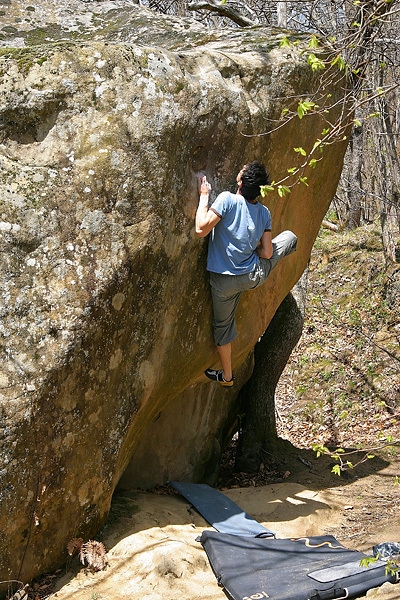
{"x":241,"y":253}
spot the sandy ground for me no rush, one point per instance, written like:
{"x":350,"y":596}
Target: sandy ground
{"x":153,"y":553}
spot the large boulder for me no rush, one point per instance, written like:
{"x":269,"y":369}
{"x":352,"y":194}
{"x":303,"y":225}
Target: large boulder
{"x":107,"y":114}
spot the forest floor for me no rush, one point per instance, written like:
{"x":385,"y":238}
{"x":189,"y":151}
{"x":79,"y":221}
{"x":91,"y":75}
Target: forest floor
{"x":341,"y":389}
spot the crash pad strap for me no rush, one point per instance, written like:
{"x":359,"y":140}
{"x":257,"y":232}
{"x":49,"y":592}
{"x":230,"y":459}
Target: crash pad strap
{"x":220,"y":511}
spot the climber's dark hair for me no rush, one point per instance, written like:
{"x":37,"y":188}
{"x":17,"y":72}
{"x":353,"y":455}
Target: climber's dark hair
{"x":254,"y":175}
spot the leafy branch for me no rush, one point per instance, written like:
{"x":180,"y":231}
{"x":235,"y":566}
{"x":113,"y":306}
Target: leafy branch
{"x":342,"y":456}
{"x":348,"y":57}
{"x":390,"y":569}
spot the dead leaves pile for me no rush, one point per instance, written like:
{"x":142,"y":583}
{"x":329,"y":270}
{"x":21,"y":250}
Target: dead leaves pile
{"x":91,"y":553}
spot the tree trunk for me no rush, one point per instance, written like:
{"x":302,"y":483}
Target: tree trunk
{"x":354,"y":193}
{"x":389,"y":181}
{"x":258,"y":437}
{"x":281,"y":11}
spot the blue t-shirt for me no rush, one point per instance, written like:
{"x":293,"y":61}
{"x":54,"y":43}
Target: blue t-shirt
{"x":232,"y":242}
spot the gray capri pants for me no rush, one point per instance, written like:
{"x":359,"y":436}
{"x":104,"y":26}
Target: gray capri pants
{"x":226,"y":290}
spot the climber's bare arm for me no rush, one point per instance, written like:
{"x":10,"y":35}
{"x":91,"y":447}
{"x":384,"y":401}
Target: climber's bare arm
{"x":206,"y":218}
{"x":265,"y":250}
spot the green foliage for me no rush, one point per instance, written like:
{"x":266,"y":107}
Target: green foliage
{"x":304,"y":107}
{"x":368,"y":560}
{"x":283,"y":190}
{"x":319,"y":449}
{"x":315,"y":63}
{"x":340,"y":62}
{"x":339,"y":455}
{"x":284,"y":43}
{"x":300,"y":151}
{"x":265,"y":189}
{"x":390,"y":569}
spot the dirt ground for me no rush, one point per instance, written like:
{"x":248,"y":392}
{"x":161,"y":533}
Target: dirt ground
{"x":151,"y":536}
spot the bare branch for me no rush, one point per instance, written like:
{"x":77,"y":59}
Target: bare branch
{"x":224,"y":10}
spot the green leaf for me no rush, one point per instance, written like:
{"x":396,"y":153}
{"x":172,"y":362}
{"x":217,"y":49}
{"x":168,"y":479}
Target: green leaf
{"x":316,"y":144}
{"x":319,"y":449}
{"x":340,"y":62}
{"x":300,"y":151}
{"x":325,"y":131}
{"x":223,"y":1}
{"x":392,"y":568}
{"x":310,"y":104}
{"x":315,"y":63}
{"x":367,"y":560}
{"x":292,"y":170}
{"x":357,"y":123}
{"x":304,"y":180}
{"x":284,"y":43}
{"x":313,"y":163}
{"x":313,"y":43}
{"x":284,"y":112}
{"x":304,"y":106}
{"x":283,"y":190}
{"x":336,"y":469}
{"x":264,"y":189}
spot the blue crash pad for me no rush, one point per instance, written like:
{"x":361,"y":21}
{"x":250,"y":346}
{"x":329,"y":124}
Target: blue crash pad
{"x":220,"y":511}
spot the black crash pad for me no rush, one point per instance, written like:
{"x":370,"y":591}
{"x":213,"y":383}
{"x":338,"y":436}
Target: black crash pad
{"x":314,"y":568}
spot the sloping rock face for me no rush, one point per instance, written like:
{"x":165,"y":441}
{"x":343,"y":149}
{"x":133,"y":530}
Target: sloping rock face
{"x":107,"y":113}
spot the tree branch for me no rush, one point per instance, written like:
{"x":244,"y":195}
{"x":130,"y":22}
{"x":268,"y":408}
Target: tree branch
{"x":224,"y":10}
